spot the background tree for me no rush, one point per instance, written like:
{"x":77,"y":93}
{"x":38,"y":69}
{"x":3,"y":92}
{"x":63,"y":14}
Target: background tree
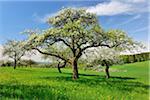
{"x":54,"y":60}
{"x":104,"y":57}
{"x":29,"y":54}
{"x":77,"y":30}
{"x":14,"y":50}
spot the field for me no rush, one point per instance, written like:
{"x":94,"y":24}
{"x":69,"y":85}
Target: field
{"x":128,"y":82}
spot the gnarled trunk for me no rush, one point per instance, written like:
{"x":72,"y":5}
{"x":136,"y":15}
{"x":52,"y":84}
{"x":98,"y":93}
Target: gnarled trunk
{"x":107,"y":69}
{"x":59,"y":66}
{"x":75,"y":69}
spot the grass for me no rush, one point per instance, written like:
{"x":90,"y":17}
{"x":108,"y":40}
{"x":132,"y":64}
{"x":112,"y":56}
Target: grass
{"x":128,"y":82}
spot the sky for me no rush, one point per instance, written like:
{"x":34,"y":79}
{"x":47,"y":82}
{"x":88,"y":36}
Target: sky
{"x":131,"y":16}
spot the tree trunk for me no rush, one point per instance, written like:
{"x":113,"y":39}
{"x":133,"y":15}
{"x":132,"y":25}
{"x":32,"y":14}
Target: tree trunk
{"x":59,"y":70}
{"x":75,"y":69}
{"x":107,"y":69}
{"x":15,"y":63}
{"x":107,"y":72}
{"x":59,"y":67}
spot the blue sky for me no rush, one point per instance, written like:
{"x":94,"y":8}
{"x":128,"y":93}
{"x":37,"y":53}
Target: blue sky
{"x":128,"y":15}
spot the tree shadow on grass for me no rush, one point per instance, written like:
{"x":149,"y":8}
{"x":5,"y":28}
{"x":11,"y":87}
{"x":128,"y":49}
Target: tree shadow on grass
{"x":102,"y":76}
{"x":123,"y":78}
{"x":30,"y":92}
{"x":88,"y":75}
{"x":115,"y":77}
{"x":119,"y":83}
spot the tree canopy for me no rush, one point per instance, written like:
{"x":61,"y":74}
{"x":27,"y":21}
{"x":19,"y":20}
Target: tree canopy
{"x":14,"y":50}
{"x":76,"y":31}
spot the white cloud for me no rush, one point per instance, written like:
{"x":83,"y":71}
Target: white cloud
{"x":130,"y":20}
{"x":134,"y":1}
{"x":111,"y":8}
{"x":115,"y":7}
{"x":140,"y":29}
{"x":36,"y":17}
{"x":43,"y":19}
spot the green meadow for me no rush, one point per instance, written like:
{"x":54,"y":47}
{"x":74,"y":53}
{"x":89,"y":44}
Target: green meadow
{"x":127,"y":82}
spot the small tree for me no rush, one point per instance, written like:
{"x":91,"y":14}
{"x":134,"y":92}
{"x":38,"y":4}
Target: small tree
{"x":13,"y":50}
{"x":105,"y":57}
{"x":60,"y":63}
{"x":77,"y":30}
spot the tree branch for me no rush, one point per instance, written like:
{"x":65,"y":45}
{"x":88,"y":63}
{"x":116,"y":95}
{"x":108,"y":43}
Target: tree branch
{"x":51,"y":54}
{"x":62,"y":66}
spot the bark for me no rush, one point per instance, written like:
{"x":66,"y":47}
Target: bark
{"x":75,"y":69}
{"x":59,"y":67}
{"x":15,"y":63}
{"x":107,"y":72}
{"x":107,"y":69}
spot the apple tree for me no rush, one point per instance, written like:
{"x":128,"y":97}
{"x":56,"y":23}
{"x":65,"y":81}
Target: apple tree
{"x":77,"y":30}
